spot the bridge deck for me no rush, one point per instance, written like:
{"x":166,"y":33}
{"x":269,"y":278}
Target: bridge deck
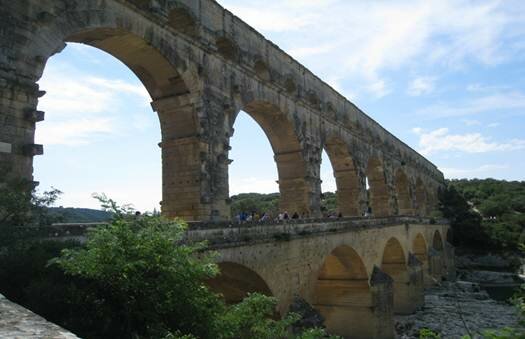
{"x":228,"y":234}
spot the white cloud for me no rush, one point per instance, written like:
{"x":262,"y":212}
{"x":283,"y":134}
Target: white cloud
{"x":471,"y":122}
{"x":362,"y":40}
{"x":494,"y":125}
{"x":73,"y":132}
{"x":472,"y":172}
{"x":77,"y":106}
{"x":420,"y":86}
{"x":495,"y":102}
{"x":440,"y":140}
{"x":329,"y":184}
{"x":379,"y":88}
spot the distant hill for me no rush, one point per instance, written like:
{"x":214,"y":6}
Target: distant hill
{"x":269,"y":203}
{"x":79,"y":215}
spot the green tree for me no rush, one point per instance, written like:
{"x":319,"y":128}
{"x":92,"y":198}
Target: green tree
{"x":465,"y":222}
{"x":21,"y":207}
{"x":153,"y":283}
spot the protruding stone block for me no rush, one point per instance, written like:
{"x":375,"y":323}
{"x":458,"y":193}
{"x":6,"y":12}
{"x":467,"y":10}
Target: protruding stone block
{"x":31,"y":150}
{"x":35,"y":116}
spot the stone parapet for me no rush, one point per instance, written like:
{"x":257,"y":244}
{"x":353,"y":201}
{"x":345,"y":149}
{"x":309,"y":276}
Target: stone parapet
{"x":18,"y":322}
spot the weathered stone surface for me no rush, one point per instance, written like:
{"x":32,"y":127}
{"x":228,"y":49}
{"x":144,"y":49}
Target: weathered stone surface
{"x":454,"y":309}
{"x":18,"y":322}
{"x":201,"y":66}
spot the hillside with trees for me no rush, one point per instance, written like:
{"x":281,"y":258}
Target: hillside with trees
{"x":269,"y":203}
{"x":486,"y":214}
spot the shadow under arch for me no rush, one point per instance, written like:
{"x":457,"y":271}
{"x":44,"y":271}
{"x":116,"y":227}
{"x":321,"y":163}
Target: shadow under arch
{"x":394,"y":264}
{"x":346,"y":178}
{"x":419,"y":248}
{"x":295,"y":190}
{"x":421,"y":198}
{"x":342,"y":294}
{"x":236,"y":281}
{"x":404,"y":200}
{"x":437,"y":242}
{"x":379,"y":197}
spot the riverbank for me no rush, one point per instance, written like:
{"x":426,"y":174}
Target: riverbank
{"x":455,"y":309}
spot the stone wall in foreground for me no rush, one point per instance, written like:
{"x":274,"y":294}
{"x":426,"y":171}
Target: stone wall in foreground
{"x":18,"y":322}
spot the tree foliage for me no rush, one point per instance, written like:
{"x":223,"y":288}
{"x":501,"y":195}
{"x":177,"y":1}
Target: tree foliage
{"x":486,"y":213}
{"x":21,"y":207}
{"x":152,"y":282}
{"x":269,"y":203}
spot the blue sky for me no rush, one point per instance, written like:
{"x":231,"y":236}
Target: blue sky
{"x":447,"y":77}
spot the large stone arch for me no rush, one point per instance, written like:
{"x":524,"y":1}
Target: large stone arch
{"x":236,"y":281}
{"x":402,"y":186}
{"x":345,"y":173}
{"x":379,"y":198}
{"x":350,"y":301}
{"x":342,"y":294}
{"x":421,"y":198}
{"x":294,"y":187}
{"x":407,"y":276}
{"x":172,"y":83}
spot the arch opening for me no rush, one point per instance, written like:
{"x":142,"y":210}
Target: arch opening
{"x":437,"y":242}
{"x":170,"y":91}
{"x":252,"y":172}
{"x":294,"y":187}
{"x":404,"y":202}
{"x":394,"y":264}
{"x":236,"y":281}
{"x":419,"y":248}
{"x":346,"y":179}
{"x":378,"y":192}
{"x":158,"y":75}
{"x":97,"y":107}
{"x":342,"y":294}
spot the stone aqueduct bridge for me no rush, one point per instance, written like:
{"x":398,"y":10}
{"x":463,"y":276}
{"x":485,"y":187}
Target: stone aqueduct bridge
{"x":357,"y":272}
{"x":202,"y":66}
